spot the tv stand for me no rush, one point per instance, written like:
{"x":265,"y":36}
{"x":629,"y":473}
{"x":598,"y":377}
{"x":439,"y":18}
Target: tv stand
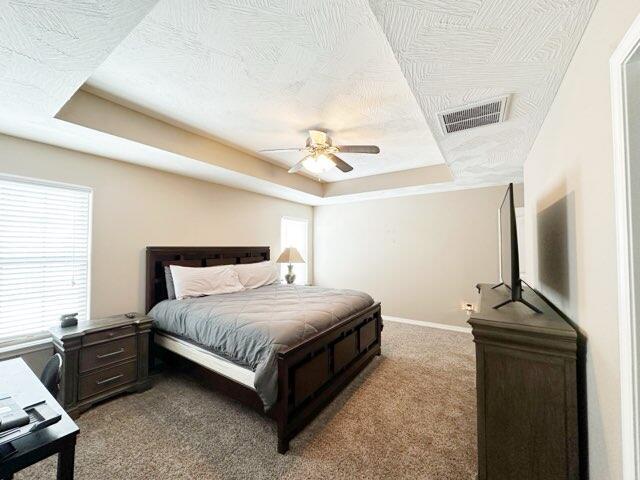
{"x":521,"y":300}
{"x":526,"y":391}
{"x":511,"y":300}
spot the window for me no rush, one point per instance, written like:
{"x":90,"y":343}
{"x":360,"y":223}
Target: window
{"x":44,"y":254}
{"x":294,"y":233}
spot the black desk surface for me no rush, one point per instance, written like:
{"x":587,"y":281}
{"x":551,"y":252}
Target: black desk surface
{"x":17,"y":380}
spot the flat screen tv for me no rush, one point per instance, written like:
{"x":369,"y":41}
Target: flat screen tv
{"x":509,"y":256}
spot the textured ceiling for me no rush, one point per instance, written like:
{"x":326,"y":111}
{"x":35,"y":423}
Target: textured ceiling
{"x":456,"y":52}
{"x":48,"y":49}
{"x":258,"y":74}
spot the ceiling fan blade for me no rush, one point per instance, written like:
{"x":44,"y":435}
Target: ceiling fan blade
{"x":318,"y":137}
{"x":296,"y":167}
{"x":341,"y":164}
{"x":281,"y":150}
{"x":359,"y":149}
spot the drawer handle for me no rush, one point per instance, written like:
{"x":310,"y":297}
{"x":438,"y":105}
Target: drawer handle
{"x":105,"y":355}
{"x":107,"y":380}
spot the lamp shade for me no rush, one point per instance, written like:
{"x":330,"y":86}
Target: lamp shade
{"x":290,"y":255}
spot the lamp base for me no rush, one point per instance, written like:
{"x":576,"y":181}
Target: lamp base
{"x":290,"y":277}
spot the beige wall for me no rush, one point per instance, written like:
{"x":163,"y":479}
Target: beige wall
{"x":421,"y":256}
{"x":134,"y":207}
{"x":569,"y":201}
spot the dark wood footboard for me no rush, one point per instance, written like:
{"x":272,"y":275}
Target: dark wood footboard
{"x":312,"y":373}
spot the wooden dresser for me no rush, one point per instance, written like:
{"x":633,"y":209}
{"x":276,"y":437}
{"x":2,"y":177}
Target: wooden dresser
{"x":102,"y":358}
{"x":527,"y":390}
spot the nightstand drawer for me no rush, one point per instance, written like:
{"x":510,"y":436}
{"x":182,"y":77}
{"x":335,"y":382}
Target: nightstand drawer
{"x":107,"y":353}
{"x":106,"y":379}
{"x":111,"y":334}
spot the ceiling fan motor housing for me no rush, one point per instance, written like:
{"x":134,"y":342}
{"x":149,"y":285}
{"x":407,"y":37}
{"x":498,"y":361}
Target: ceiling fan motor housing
{"x":321,"y":154}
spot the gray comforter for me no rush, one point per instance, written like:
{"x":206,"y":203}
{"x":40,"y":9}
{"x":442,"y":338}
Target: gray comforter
{"x":250,"y":327}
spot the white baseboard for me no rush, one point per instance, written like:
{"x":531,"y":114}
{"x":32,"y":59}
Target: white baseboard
{"x":421,"y":323}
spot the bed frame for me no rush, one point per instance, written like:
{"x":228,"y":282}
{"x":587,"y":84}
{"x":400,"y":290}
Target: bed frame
{"x":311,"y":373}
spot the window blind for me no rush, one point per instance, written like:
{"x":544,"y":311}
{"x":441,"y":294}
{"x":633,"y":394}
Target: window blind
{"x":44,"y":255}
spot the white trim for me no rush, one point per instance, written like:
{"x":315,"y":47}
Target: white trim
{"x":19,"y":349}
{"x":421,"y":323}
{"x":89,"y":253}
{"x":18,"y":339}
{"x":47,"y":183}
{"x":295,"y":219}
{"x":627,"y":322}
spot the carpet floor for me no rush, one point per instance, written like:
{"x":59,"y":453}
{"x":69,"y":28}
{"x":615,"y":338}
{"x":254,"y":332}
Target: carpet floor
{"x":409,"y":414}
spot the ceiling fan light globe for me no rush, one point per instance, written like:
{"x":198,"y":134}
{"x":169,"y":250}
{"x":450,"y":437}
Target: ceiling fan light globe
{"x":318,"y":163}
{"x":325,"y":162}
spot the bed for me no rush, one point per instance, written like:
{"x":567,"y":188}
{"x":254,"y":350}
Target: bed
{"x":319,"y":339}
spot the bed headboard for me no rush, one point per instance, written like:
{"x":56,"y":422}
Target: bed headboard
{"x":158,"y":257}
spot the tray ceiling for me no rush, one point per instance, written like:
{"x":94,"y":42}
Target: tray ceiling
{"x":259,"y":74}
{"x":456,"y":53}
{"x":48,"y":49}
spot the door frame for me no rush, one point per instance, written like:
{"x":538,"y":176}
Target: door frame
{"x":627,"y":262}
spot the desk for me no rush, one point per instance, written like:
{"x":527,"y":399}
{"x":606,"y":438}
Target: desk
{"x":17,"y":380}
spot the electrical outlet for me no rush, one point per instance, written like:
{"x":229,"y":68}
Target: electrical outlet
{"x":468,"y":307}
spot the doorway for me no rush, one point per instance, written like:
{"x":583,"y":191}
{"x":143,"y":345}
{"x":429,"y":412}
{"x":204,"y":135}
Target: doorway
{"x":625,"y":96}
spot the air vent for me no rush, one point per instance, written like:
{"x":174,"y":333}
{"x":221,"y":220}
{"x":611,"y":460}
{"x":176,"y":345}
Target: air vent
{"x":474,"y":115}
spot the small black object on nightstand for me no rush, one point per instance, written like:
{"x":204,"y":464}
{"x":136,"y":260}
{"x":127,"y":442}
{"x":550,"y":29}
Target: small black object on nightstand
{"x":131,"y":315}
{"x":69,"y":320}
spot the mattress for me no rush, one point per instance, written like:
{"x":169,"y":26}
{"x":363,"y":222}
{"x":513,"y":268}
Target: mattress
{"x":202,"y":356}
{"x":248,"y":328}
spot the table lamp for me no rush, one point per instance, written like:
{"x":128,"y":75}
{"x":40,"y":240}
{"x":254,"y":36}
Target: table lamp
{"x":290,"y":255}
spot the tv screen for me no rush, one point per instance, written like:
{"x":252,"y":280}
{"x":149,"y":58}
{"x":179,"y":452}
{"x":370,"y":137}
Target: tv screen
{"x":509,"y":261}
{"x":509,"y":264}
{"x":505,"y":241}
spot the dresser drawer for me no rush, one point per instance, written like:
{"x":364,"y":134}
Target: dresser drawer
{"x":110,"y":334}
{"x":106,"y":353}
{"x":106,"y":379}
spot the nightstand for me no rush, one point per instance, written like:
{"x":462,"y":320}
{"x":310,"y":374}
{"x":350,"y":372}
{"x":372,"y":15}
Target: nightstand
{"x":102,"y":358}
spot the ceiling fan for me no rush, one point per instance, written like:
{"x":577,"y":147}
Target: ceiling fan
{"x":321,"y":153}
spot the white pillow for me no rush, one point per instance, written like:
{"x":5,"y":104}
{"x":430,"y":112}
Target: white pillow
{"x":254,"y":275}
{"x":200,"y":281}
